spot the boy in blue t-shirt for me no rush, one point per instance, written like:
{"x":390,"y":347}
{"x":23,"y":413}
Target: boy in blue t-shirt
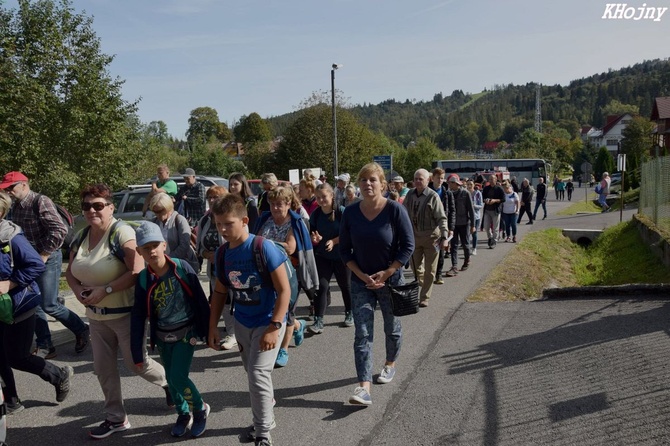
{"x":260,"y":308}
{"x":169,"y":293}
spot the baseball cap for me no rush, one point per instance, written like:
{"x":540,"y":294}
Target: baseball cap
{"x":148,"y":232}
{"x":188,"y":173}
{"x":453,"y":178}
{"x":397,"y":179}
{"x":12,"y":178}
{"x":344,"y":177}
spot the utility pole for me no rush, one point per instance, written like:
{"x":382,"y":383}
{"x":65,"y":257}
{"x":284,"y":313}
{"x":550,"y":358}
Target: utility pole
{"x":538,"y":108}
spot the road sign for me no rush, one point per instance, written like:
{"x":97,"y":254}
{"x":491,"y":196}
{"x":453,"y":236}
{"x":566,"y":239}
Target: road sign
{"x":586,"y":168}
{"x":386,"y":161}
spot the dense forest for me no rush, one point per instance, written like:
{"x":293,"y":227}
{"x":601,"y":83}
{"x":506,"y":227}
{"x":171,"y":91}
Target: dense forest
{"x":464,"y":121}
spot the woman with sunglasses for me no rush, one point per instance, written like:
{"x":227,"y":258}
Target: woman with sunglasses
{"x":175,"y":228}
{"x":104,"y":284}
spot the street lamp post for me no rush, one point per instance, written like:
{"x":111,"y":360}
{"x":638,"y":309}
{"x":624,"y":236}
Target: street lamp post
{"x":332,"y":91}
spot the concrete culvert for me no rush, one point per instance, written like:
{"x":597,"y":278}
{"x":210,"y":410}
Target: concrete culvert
{"x":584,"y":242}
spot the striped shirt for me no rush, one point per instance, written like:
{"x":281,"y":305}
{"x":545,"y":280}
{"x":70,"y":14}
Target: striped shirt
{"x":45,"y":231}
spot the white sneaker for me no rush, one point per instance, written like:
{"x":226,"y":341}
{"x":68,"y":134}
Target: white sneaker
{"x":474,"y":252}
{"x":229,"y":342}
{"x":387,"y":374}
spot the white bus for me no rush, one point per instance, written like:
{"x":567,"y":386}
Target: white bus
{"x":532,"y":169}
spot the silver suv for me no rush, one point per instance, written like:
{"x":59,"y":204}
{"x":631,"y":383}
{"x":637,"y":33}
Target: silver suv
{"x":128,"y":203}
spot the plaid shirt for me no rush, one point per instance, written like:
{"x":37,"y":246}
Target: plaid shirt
{"x":194,"y":204}
{"x":45,"y":231}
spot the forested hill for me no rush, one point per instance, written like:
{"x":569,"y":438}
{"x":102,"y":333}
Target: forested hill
{"x":465,"y":121}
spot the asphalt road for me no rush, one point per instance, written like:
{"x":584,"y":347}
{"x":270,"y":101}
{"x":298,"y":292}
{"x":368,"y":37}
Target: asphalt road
{"x":551,"y":372}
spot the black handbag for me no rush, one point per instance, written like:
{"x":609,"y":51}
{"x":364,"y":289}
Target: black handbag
{"x":404,"y":298}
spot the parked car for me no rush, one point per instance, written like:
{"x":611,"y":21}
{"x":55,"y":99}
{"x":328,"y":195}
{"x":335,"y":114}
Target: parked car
{"x":615,"y":183}
{"x":128,"y":204}
{"x":208,"y":181}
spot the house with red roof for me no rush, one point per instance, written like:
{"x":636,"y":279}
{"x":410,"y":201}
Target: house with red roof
{"x":610,"y":135}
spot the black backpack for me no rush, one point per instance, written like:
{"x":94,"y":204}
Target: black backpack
{"x":65,"y":216}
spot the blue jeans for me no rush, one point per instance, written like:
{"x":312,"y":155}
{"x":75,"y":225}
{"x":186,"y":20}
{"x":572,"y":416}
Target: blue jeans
{"x":48,"y":282}
{"x":537,"y":206}
{"x":474,"y":234}
{"x":510,"y":224}
{"x":363,"y":305}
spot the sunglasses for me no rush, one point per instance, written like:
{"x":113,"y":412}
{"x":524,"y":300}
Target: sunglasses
{"x":97,"y":206}
{"x":158,"y":210}
{"x":11,"y":188}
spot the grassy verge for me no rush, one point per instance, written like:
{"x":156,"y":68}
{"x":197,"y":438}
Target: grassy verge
{"x":580,"y":207}
{"x":547,"y":259}
{"x":543,"y":259}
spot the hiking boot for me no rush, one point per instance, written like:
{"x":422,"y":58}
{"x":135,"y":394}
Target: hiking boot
{"x":439,"y":281}
{"x":168,"y":397}
{"x":13,"y":405}
{"x":348,"y":319}
{"x":200,"y":421}
{"x":251,"y":432}
{"x":387,"y":374}
{"x":282,"y":358}
{"x":530,"y":222}
{"x":45,"y":353}
{"x":360,"y":397}
{"x":299,"y":334}
{"x":514,"y":239}
{"x":107,"y":428}
{"x":229,"y":342}
{"x":452,"y":272}
{"x":465,"y":266}
{"x":263,"y":442}
{"x":317,"y":326}
{"x":184,"y":421}
{"x":63,"y":387}
{"x":82,"y":340}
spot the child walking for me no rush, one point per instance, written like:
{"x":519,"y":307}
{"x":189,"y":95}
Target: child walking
{"x":260,"y":306}
{"x":168,"y":292}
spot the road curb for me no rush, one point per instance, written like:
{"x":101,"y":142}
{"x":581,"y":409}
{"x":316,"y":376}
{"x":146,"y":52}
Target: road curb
{"x":652,"y":290}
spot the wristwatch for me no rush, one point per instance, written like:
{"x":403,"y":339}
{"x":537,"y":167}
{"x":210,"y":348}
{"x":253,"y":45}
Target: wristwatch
{"x":276,"y":324}
{"x":109,"y":289}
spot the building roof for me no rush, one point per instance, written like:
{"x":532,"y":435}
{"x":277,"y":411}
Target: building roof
{"x":612,"y":121}
{"x":661,"y":108}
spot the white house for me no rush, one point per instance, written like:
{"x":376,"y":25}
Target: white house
{"x":610,"y":135}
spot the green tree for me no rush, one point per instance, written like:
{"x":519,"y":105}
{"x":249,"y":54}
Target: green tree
{"x":308,"y":142}
{"x":615,"y":107}
{"x":210,"y":159}
{"x":420,"y":156}
{"x":636,"y":144}
{"x":259,"y":158}
{"x":203,"y":125}
{"x":604,"y":163}
{"x":252,"y":129}
{"x":63,"y":120}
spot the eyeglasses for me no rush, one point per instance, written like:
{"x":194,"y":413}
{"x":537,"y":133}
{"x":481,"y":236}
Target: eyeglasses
{"x":97,"y":206}
{"x":11,"y":188}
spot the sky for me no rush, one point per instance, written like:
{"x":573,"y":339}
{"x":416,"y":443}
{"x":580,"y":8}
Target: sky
{"x":268,"y":56}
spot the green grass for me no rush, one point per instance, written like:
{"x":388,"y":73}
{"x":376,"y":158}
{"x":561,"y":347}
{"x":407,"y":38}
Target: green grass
{"x":618,"y":257}
{"x":475,"y":97}
{"x":580,"y":206}
{"x":547,"y":259}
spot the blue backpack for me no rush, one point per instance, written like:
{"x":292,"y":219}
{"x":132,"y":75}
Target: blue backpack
{"x":261,"y":265}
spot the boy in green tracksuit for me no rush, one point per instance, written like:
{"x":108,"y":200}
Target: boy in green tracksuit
{"x":169,"y":293}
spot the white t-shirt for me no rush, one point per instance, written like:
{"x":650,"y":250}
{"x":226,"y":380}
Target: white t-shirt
{"x":98,"y":267}
{"x":509,"y":206}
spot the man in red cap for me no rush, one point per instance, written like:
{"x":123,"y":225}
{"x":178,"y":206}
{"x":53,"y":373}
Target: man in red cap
{"x":43,"y":227}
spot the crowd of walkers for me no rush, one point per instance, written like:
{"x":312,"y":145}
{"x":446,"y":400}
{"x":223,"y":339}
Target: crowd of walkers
{"x":260,"y":253}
